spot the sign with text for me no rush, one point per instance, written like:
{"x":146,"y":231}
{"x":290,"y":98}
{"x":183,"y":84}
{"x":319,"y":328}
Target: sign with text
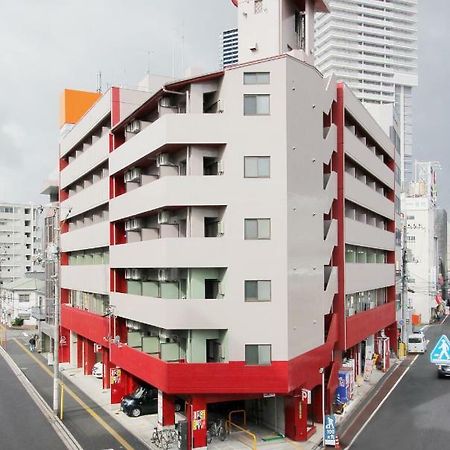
{"x":306,"y":395}
{"x":329,"y":430}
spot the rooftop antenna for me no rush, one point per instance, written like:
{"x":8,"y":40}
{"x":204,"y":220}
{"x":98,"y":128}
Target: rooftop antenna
{"x":99,"y":82}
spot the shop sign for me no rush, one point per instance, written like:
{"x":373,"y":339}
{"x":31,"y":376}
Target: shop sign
{"x":329,"y":431}
{"x":97,"y":348}
{"x":115,"y":375}
{"x":199,"y":420}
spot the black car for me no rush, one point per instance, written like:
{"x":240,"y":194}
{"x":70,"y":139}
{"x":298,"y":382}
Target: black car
{"x":443,"y":371}
{"x":144,"y":400}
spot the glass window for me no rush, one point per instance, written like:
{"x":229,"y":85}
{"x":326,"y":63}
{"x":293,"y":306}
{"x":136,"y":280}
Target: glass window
{"x":257,"y":166}
{"x":257,"y":229}
{"x":24,"y":298}
{"x":258,"y":354}
{"x":350,"y":254}
{"x":257,"y":78}
{"x":256,"y":104}
{"x":258,"y":291}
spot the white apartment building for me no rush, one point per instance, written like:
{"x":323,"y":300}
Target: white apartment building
{"x":372,"y":46}
{"x":422,"y":243}
{"x":20,"y":241}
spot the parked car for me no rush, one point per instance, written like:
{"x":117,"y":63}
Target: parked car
{"x":144,"y":400}
{"x":97,"y":370}
{"x":443,"y":371}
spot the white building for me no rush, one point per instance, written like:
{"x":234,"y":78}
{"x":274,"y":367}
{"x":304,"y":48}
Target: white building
{"x":422,"y":242}
{"x":20,"y":241}
{"x":20,"y":298}
{"x":372,"y":46}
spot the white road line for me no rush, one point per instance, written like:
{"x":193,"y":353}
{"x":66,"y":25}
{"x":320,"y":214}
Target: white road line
{"x":381,"y":403}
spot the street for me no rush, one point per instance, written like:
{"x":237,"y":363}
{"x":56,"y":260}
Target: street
{"x":22,"y":424}
{"x":416,"y":416}
{"x":89,"y":424}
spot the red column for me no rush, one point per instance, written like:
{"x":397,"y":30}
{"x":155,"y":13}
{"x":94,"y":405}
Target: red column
{"x":64,"y":345}
{"x":88,"y":356}
{"x":168,"y":410}
{"x":122,"y":383}
{"x":296,"y":415}
{"x":106,"y":368}
{"x":317,"y":404}
{"x":197,"y":422}
{"x":80,"y":340}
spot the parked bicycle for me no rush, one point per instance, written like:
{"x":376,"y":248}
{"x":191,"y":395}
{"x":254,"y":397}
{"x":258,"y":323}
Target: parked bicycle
{"x":159,"y":439}
{"x":216,"y":429}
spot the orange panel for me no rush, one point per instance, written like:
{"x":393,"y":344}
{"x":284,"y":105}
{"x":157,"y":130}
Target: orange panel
{"x":416,"y":319}
{"x":74,"y":104}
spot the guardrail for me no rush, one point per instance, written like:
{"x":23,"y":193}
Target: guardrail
{"x":230,"y":425}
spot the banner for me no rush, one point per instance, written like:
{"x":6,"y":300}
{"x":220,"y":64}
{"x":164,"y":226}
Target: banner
{"x":329,"y":431}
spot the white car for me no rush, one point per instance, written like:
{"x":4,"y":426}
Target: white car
{"x":97,"y":370}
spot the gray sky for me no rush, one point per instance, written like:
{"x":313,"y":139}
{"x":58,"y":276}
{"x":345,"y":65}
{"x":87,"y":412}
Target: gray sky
{"x":49,"y":45}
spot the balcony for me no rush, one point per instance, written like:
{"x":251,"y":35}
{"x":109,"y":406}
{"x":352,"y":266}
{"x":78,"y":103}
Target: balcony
{"x":88,"y":278}
{"x":92,"y":236}
{"x":172,"y":314}
{"x":358,"y":233}
{"x":95,"y":195}
{"x":169,"y":130}
{"x":86,"y":324}
{"x":367,"y":323}
{"x":88,"y":160}
{"x":171,"y":191}
{"x":366,"y":158}
{"x":38,"y":313}
{"x":361,"y":194}
{"x":201,"y":378}
{"x":368,"y":276}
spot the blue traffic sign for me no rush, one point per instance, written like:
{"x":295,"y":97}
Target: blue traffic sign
{"x":441,"y":351}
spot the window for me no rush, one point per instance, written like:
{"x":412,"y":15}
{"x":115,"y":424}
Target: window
{"x":258,"y":354}
{"x":256,"y":104}
{"x":257,"y":167}
{"x":257,"y":291}
{"x":258,"y":6}
{"x":256,"y":77}
{"x":257,"y":229}
{"x":24,"y":316}
{"x":24,"y":298}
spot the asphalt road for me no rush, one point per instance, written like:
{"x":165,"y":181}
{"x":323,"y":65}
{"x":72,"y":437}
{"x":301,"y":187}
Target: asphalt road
{"x":22,"y":424}
{"x":416,"y":416}
{"x":89,"y":433}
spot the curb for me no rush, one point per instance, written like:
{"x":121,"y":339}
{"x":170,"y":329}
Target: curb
{"x":61,"y":430}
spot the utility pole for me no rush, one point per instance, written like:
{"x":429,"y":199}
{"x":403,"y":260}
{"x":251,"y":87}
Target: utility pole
{"x":405,"y":312}
{"x":54,"y":250}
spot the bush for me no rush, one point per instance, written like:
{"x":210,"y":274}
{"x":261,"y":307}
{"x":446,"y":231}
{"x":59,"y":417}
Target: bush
{"x":17,"y":322}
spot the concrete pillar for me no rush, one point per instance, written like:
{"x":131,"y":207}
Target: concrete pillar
{"x":198,"y":422}
{"x":106,"y":368}
{"x":166,"y":409}
{"x":296,"y":418}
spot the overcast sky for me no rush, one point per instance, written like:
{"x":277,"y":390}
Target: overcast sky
{"x":49,"y":45}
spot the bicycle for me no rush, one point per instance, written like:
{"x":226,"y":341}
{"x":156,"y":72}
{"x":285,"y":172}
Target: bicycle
{"x":216,"y":429}
{"x":159,"y":439}
{"x":171,"y":436}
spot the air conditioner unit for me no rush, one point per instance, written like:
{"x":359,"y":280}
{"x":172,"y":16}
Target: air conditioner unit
{"x":163,"y":217}
{"x":133,"y":127}
{"x":133,"y":225}
{"x":132,"y":175}
{"x":133,"y":274}
{"x":220,"y":167}
{"x":166,"y":102}
{"x":163,"y":159}
{"x":220,"y":229}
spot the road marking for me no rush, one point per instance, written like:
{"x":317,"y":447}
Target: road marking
{"x":381,"y":403}
{"x":89,"y":410}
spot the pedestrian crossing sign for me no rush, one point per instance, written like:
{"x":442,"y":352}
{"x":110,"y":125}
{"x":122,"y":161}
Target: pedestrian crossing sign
{"x":441,"y":351}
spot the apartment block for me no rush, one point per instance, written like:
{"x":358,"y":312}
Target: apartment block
{"x":20,"y":241}
{"x":231,"y":238}
{"x":229,"y":47}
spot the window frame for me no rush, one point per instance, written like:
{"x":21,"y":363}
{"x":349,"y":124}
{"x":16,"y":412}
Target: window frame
{"x":257,"y":158}
{"x":257,"y":76}
{"x":257,"y":299}
{"x":257,"y":220}
{"x":258,"y":348}
{"x":256,"y":97}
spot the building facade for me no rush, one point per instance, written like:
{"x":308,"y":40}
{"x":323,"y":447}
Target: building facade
{"x":372,"y":46}
{"x":240,"y":244}
{"x":20,"y":241}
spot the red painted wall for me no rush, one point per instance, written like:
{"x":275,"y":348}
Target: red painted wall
{"x":366,"y":323}
{"x":84,"y":323}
